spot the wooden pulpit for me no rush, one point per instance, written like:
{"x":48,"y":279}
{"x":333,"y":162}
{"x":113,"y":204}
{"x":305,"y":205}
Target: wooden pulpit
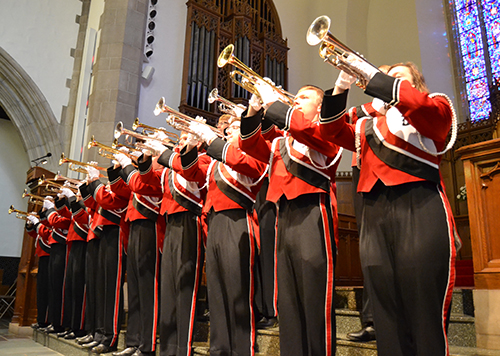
{"x":25,"y":311}
{"x":482,"y":178}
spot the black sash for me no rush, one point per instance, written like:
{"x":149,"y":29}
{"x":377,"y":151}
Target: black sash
{"x":109,"y":216}
{"x":143,"y":210}
{"x":231,"y":193}
{"x":181,"y":200}
{"x":302,"y":172}
{"x":397,"y":160}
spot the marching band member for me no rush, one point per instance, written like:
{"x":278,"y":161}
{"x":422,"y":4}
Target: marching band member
{"x":407,"y":237}
{"x":147,"y":230}
{"x":183,"y":250}
{"x":112,"y":256}
{"x":234,"y":178}
{"x":302,"y":184}
{"x":57,"y":263}
{"x":41,"y":234}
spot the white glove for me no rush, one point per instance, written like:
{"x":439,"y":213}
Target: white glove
{"x":191,"y":140}
{"x":123,"y":159}
{"x":137,"y":153}
{"x":68,"y":193}
{"x":47,"y":204}
{"x":203,"y":131}
{"x":33,"y":219}
{"x":156,"y":146}
{"x":366,"y":69}
{"x":238,"y":110}
{"x":200,"y":119}
{"x":255,"y":102}
{"x":92,"y":172}
{"x":344,"y":81}
{"x":267,"y":93}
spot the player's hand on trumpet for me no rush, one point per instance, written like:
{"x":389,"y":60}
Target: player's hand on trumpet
{"x":203,"y":131}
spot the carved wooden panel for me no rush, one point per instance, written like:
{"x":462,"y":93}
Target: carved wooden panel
{"x":482,"y":177}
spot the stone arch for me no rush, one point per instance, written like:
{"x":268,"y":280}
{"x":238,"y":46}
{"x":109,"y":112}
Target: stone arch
{"x":29,"y":111}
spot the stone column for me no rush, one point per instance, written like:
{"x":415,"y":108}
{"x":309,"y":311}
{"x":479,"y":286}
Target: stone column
{"x":117,"y":69}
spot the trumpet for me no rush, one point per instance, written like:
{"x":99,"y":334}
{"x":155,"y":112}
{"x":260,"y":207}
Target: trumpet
{"x":77,"y":166}
{"x":20,"y":214}
{"x":147,"y":130}
{"x":54,"y":187}
{"x":333,"y":50}
{"x":120,"y":130}
{"x":178,"y":120}
{"x":249,"y":76}
{"x":226,"y":106}
{"x":107,"y":151}
{"x":34,"y":199}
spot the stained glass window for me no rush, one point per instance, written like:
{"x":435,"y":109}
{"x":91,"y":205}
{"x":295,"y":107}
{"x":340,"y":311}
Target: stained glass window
{"x":477,"y":27}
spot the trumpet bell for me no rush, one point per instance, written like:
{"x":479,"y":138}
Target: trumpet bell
{"x":118,"y":130}
{"x":318,"y":30}
{"x":159,"y":106}
{"x":225,"y":56}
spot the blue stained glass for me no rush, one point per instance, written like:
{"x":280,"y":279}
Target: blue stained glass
{"x":490,"y":10}
{"x":477,"y":89}
{"x":467,"y":19}
{"x":495,"y":59}
{"x":479,"y":109}
{"x":493,"y":32}
{"x":460,"y":4}
{"x":474,"y":67}
{"x":471,"y":43}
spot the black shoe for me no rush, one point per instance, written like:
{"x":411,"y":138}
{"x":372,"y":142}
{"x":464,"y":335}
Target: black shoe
{"x":84,"y":339}
{"x":266,"y":323}
{"x":363,"y":335}
{"x":63,"y":333}
{"x":38,"y":326}
{"x":53,"y":329}
{"x":70,"y":336}
{"x":102,"y":349}
{"x":129,"y":351}
{"x":90,"y":344}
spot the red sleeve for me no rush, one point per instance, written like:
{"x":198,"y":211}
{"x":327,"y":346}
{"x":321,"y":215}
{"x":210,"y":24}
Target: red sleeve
{"x":109,"y":200}
{"x":431,"y":116}
{"x":58,"y":221}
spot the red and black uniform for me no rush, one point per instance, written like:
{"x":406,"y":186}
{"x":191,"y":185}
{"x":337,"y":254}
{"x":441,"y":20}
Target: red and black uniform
{"x":183,"y":251}
{"x":92,"y":271}
{"x":59,"y":251}
{"x":147,"y":230}
{"x":41,"y":235}
{"x":112,"y":255}
{"x":75,"y":272}
{"x":407,"y":235}
{"x":302,"y":184}
{"x":234,"y":178}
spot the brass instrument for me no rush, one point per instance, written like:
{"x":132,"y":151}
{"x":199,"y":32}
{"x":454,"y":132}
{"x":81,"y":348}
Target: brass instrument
{"x":20,"y":214}
{"x":108,"y":151}
{"x":334,"y":51}
{"x":147,"y":130}
{"x":178,"y":120}
{"x":249,"y":76}
{"x":77,"y":166}
{"x":54,"y":187}
{"x":120,"y":130}
{"x":34,"y":199}
{"x":226,"y":106}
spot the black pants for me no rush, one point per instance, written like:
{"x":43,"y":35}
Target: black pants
{"x":42,"y":290}
{"x":306,"y":275}
{"x":57,"y":271}
{"x":266,"y":293}
{"x":181,"y":267}
{"x":230,"y":282}
{"x":112,"y":260}
{"x":143,"y":283}
{"x":92,"y":273}
{"x":366,"y":312}
{"x":408,"y":257}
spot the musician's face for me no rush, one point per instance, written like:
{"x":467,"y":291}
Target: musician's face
{"x":402,"y":72}
{"x":308,"y":102}
{"x":233,"y":133}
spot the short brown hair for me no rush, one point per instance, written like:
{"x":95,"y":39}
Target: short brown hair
{"x":418,"y":78}
{"x":318,"y":90}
